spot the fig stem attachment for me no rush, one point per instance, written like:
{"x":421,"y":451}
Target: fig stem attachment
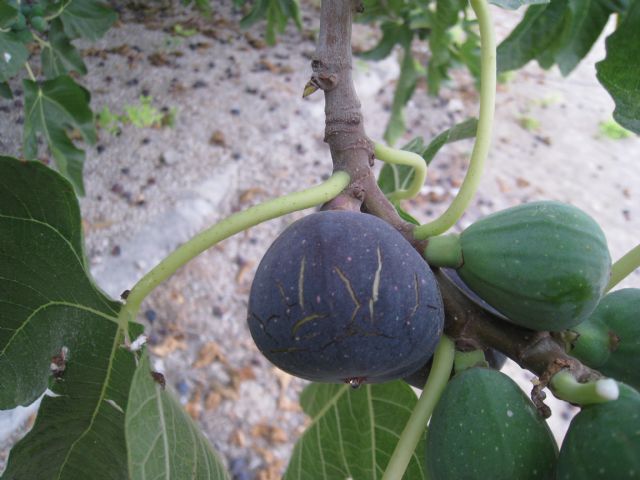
{"x":483,"y":136}
{"x":624,"y":266}
{"x":225,"y":228}
{"x":413,"y":431}
{"x":464,"y":360}
{"x":444,"y":251}
{"x":567,"y":388}
{"x":410,"y":159}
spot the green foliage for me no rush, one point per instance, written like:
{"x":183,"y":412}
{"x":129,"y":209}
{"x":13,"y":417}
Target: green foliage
{"x":162,"y":440}
{"x":142,"y":115}
{"x":59,"y":103}
{"x":563,"y":32}
{"x":613,"y":130}
{"x":57,"y":312}
{"x":620,"y":76}
{"x":59,"y":56}
{"x":353,"y":432}
{"x":59,"y":331}
{"x":88,"y":19}
{"x":277,"y":14}
{"x":50,"y":108}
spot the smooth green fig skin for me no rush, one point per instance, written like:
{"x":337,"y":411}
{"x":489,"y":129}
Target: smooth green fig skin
{"x":609,"y":340}
{"x":603,"y":441}
{"x":485,"y":427}
{"x":544,"y":265}
{"x":343,"y":297}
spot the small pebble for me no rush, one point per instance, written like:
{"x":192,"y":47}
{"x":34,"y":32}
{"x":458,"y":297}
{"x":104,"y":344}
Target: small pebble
{"x":182,"y":387}
{"x":150,"y":315}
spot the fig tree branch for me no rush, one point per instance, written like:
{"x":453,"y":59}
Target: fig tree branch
{"x":473,"y":327}
{"x":351,"y":149}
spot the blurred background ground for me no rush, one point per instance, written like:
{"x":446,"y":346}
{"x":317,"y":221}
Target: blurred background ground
{"x":243,"y":134}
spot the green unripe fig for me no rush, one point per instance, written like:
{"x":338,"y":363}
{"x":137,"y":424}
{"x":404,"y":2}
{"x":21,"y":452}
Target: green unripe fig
{"x":26,"y":9}
{"x":609,"y":340}
{"x":20,"y":23}
{"x":544,"y":265}
{"x":603,"y":440}
{"x":39,"y":24}
{"x":37,"y":10}
{"x":485,"y":427}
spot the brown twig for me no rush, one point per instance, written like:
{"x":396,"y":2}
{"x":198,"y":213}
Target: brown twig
{"x":351,"y":149}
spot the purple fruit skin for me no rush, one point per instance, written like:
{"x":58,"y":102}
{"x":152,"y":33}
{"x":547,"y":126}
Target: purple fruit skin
{"x":341,"y":296}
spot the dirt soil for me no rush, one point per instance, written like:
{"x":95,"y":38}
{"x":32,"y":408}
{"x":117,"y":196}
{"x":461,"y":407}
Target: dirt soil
{"x":242,"y":135}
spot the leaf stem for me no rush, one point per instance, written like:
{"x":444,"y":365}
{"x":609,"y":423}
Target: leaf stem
{"x":485,"y":123}
{"x":225,"y":228}
{"x":62,"y":8}
{"x":29,"y":71}
{"x":567,"y":388}
{"x":413,"y":431}
{"x":41,"y":41}
{"x":624,"y":266}
{"x":410,"y":159}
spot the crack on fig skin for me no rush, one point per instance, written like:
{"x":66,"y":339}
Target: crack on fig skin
{"x":375,"y":286}
{"x":301,"y":284}
{"x":307,"y":319}
{"x":265,"y":324}
{"x":284,"y":297}
{"x":352,"y":294}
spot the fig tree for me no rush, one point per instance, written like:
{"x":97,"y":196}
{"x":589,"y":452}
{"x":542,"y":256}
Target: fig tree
{"x":343,"y":297}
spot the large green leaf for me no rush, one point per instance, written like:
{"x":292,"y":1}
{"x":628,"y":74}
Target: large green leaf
{"x":59,"y":56}
{"x":13,"y":54}
{"x":541,"y":26}
{"x":162,"y":440}
{"x":404,"y":90}
{"x":87,"y":18}
{"x":50,"y":108}
{"x":8,"y":15}
{"x":353,"y":432}
{"x":514,"y":4}
{"x":587,"y":20}
{"x":446,"y":16}
{"x":398,"y":177}
{"x":49,"y":305}
{"x":619,"y":72}
{"x":393,"y":33}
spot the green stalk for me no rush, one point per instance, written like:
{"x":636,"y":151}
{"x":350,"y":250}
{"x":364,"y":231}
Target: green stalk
{"x":224,"y":229}
{"x":483,"y":136}
{"x":567,"y":388}
{"x":624,"y":266}
{"x":413,"y":431}
{"x":410,"y":159}
{"x":29,"y":71}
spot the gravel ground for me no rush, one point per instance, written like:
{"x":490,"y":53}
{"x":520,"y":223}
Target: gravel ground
{"x":242,"y":135}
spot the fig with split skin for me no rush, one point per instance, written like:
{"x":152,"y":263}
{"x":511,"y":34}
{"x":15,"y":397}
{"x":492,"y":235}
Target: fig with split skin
{"x":343,"y":297}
